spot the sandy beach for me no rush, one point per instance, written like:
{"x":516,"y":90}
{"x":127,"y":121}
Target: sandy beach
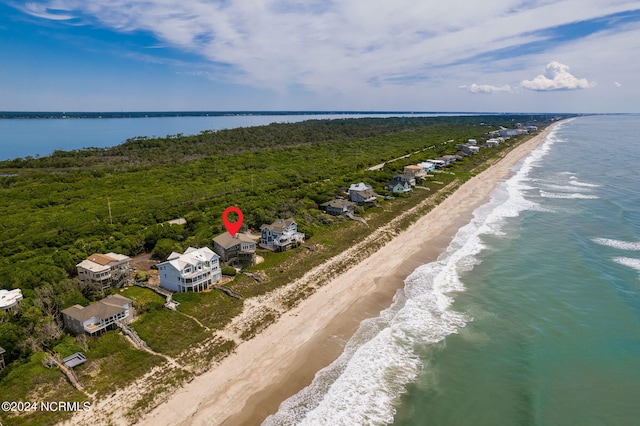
{"x":249,"y":384}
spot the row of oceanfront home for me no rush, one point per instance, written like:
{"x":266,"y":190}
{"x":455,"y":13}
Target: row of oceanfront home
{"x":361,"y":194}
{"x":198,"y":269}
{"x":195,"y":270}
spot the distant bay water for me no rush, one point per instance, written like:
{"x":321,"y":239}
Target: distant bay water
{"x":39,"y":134}
{"x":530,"y":317}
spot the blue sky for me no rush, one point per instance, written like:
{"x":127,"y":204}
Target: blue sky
{"x":454,"y":55}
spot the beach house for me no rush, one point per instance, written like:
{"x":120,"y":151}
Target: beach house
{"x":356,"y":187}
{"x":105,"y":270}
{"x":400,"y":184}
{"x":427,"y":166}
{"x":280,"y":235}
{"x":338,"y":207}
{"x":469,"y":149}
{"x":450,"y":159}
{"x":415,"y":171}
{"x":238,"y":250}
{"x":194,"y":270}
{"x":9,"y":299}
{"x":362,"y":194}
{"x":507,"y":133}
{"x":98,"y":316}
{"x":439,"y":164}
{"x":491,"y":143}
{"x":364,"y":198}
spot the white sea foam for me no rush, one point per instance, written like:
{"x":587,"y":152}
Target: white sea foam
{"x":629,"y":262}
{"x":566,"y":188}
{"x":622,"y":245}
{"x":361,"y":386}
{"x":568,"y":196}
{"x":575,"y":182}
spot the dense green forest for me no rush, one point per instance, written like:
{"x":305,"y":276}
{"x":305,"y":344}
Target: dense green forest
{"x":59,"y":209}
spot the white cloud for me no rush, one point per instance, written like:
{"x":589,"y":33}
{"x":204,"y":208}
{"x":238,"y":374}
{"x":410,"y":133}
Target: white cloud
{"x":617,"y":84}
{"x":487,"y":88}
{"x":340,"y":47}
{"x":45,"y":12}
{"x":556,"y":77}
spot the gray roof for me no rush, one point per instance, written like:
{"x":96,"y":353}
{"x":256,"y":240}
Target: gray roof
{"x":400,"y":179}
{"x":367,"y":193}
{"x":74,"y":360}
{"x":279,"y":224}
{"x":359,"y":187}
{"x":226,"y":240}
{"x":338,"y":203}
{"x":105,"y":308}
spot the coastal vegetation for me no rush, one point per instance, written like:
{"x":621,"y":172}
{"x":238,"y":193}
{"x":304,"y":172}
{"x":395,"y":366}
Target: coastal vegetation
{"x":57,"y":210}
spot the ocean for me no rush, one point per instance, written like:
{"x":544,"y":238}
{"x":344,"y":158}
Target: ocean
{"x":530,"y":317}
{"x":21,"y":137}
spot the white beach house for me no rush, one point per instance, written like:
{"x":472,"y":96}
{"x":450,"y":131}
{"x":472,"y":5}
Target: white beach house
{"x":9,"y":299}
{"x":194,"y":270}
{"x":280,"y":235}
{"x":427,"y":166}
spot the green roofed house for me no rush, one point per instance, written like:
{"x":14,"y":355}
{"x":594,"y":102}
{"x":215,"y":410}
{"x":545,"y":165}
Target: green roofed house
{"x":98,"y":316}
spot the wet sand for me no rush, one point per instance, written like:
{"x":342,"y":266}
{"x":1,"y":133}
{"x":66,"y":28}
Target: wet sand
{"x":251,"y":383}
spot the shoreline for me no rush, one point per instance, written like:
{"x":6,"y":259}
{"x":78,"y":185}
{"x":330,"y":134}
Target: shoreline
{"x":250,"y":384}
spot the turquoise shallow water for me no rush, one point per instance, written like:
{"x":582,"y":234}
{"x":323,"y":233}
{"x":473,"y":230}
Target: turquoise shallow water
{"x":531,"y":317}
{"x":555,"y":335}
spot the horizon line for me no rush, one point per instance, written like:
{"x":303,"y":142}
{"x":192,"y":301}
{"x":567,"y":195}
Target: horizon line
{"x":280,"y":112}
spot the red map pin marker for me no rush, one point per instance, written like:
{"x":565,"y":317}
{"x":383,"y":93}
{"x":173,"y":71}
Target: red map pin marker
{"x":232,"y":227}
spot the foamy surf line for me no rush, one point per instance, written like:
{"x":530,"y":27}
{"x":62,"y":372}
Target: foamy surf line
{"x":566,"y":188}
{"x":363,"y":384}
{"x":567,"y":196}
{"x":622,"y":245}
{"x":628,"y":262}
{"x":575,"y":182}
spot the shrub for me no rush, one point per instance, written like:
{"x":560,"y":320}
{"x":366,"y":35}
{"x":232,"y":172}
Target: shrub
{"x":142,"y":276}
{"x":228,"y":270}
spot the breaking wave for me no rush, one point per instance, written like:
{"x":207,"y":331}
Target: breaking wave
{"x":622,"y":245}
{"x":566,"y":188}
{"x":629,"y":262}
{"x":575,"y":182}
{"x":568,"y":196}
{"x":362,"y":385}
